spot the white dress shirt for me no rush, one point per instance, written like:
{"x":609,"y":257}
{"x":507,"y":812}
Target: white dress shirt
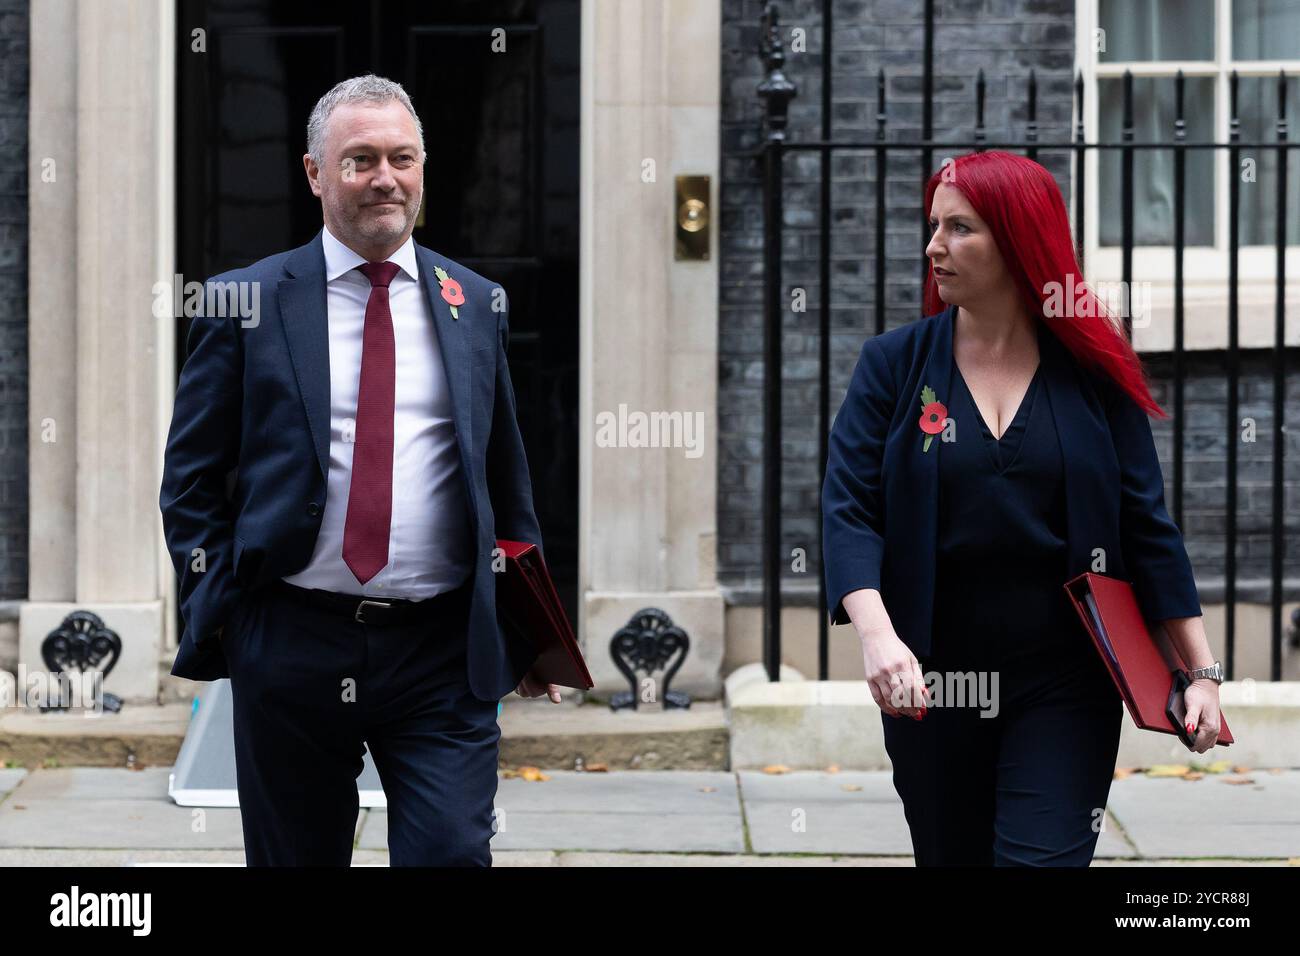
{"x":430,"y":547}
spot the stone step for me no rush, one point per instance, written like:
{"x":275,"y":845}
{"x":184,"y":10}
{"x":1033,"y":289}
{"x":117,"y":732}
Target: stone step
{"x":140,"y":735}
{"x":534,"y":732}
{"x":569,"y":735}
{"x":809,"y":725}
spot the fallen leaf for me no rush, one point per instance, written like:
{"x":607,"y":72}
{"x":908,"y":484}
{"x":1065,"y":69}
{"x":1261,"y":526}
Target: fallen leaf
{"x":1219,"y":766}
{"x":597,"y":768}
{"x":1122,"y":772}
{"x":1168,"y":770}
{"x":850,"y":787}
{"x":708,"y":789}
{"x":833,"y":768}
{"x":776,"y":768}
{"x":1241,"y":768}
{"x":1238,"y":781}
{"x":1193,"y":775}
{"x":532,"y":773}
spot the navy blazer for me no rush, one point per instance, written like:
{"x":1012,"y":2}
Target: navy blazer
{"x":880,"y":494}
{"x":255,"y":400}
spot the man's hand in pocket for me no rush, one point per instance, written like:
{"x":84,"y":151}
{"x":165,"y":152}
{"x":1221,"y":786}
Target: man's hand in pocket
{"x":530,"y":686}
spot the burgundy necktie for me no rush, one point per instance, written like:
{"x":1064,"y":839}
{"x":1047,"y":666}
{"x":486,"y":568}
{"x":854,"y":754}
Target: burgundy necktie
{"x":370,"y":496}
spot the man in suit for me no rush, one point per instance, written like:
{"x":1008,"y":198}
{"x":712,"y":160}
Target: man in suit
{"x":341,"y":461}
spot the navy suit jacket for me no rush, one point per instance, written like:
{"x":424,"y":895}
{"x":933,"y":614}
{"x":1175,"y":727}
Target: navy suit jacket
{"x":248,"y":452}
{"x":880,"y":494}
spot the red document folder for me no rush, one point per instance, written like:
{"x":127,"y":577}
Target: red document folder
{"x":529,"y":604}
{"x":1142,"y":660}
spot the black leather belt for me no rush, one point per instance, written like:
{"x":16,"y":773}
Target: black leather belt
{"x":375,"y":611}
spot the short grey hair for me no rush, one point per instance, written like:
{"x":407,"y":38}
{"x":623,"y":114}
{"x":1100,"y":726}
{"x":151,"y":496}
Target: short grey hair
{"x":358,"y":89}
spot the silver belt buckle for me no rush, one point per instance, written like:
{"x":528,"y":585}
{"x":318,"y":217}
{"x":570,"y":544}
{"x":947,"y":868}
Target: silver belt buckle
{"x":358,"y":616}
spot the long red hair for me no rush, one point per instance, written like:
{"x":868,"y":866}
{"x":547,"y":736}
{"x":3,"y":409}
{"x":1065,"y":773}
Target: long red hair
{"x":1022,"y":205}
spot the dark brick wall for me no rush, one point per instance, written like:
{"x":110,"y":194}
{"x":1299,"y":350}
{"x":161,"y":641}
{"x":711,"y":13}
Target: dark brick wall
{"x":13,"y":299}
{"x":1006,"y":38}
{"x":1205,"y":468}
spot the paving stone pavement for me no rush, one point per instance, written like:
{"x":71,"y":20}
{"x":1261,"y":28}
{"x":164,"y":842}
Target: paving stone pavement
{"x":100,"y":816}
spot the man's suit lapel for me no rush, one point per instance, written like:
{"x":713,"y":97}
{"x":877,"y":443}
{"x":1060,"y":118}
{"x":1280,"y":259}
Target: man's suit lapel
{"x":305,"y":318}
{"x":452,"y":342}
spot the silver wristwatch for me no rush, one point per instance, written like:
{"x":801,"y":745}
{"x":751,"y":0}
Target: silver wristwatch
{"x":1214,"y":672}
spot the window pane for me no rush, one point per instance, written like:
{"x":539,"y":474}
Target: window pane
{"x":1266,"y":29}
{"x":1156,"y":30}
{"x":1153,"y":169}
{"x":1257,"y":110}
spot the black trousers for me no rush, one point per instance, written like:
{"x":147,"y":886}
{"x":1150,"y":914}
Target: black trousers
{"x":312,"y":688}
{"x":1027,"y":787}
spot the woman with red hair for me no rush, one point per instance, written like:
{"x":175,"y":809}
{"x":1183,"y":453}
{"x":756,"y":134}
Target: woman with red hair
{"x":948,"y":537}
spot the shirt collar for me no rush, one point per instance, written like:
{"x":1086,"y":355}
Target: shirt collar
{"x":339,"y":259}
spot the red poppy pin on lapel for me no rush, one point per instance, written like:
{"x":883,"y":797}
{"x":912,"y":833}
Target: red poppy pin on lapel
{"x":452,"y":293}
{"x":933,"y":414}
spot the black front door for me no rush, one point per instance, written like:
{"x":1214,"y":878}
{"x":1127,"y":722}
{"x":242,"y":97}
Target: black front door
{"x":496,"y":85}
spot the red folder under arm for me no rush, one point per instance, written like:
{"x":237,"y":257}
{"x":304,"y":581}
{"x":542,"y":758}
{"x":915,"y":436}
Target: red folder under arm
{"x":1141,"y":658}
{"x":529,"y":604}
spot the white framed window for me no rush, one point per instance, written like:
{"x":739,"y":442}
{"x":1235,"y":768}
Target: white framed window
{"x":1207,"y":40}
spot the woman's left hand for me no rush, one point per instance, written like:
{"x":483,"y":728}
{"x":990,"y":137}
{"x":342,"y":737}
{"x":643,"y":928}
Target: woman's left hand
{"x":1202,"y":699}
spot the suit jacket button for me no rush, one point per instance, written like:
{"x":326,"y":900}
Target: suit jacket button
{"x":313,"y":509}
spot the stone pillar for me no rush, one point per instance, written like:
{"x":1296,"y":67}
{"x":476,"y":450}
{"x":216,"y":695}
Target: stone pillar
{"x":650,"y":111}
{"x":101,"y":184}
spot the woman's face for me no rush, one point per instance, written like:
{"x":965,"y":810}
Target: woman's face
{"x":968,"y":268}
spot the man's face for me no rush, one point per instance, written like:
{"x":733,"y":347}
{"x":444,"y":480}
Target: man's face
{"x":372,"y":179}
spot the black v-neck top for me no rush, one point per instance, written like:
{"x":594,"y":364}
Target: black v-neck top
{"x":1004,"y":449}
{"x":1001,"y":558}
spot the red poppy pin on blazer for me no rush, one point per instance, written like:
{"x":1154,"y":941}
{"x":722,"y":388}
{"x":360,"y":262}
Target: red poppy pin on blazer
{"x":933,"y":414}
{"x":451,"y":290}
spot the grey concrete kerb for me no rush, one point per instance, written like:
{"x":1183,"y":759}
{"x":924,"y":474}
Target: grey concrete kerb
{"x":809,"y":725}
